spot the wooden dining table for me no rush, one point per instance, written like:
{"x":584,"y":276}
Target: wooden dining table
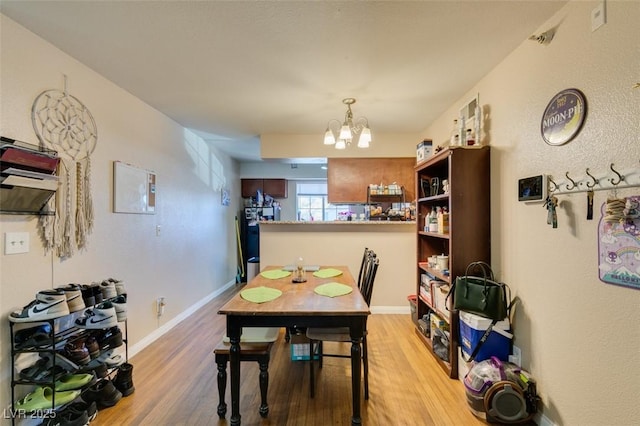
{"x":298,"y":306}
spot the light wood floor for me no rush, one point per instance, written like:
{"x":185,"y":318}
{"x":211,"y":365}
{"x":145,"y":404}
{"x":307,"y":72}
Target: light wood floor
{"x":175,"y":381}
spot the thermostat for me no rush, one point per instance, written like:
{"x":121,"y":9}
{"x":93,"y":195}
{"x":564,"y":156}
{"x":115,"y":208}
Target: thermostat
{"x":532,"y":188}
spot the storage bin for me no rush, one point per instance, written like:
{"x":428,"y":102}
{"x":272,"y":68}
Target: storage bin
{"x":423,"y":150}
{"x":498,"y":344}
{"x":413,"y":305}
{"x":440,"y":292}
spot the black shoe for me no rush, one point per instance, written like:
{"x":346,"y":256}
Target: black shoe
{"x":67,"y":418}
{"x":103,"y":393}
{"x":110,"y":338}
{"x":124,"y":379}
{"x":33,"y":337}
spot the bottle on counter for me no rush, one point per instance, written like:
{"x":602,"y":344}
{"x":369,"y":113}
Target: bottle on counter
{"x":454,"y":139}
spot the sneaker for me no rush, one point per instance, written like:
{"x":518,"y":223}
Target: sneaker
{"x":37,"y":337}
{"x":92,"y":345}
{"x":97,"y":293}
{"x":77,"y":352}
{"x":111,"y":358}
{"x":74,"y":297}
{"x":108,"y":290}
{"x":48,"y":304}
{"x":99,"y":317}
{"x":120,"y":303}
{"x":119,"y":286}
{"x":103,"y":393}
{"x":42,"y":398}
{"x":109,"y":339}
{"x":87,"y":296}
{"x":67,"y":417}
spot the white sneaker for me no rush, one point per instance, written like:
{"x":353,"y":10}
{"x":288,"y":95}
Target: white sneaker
{"x":73,"y":293}
{"x":100,"y":317}
{"x":48,"y":304}
{"x":120,"y":303}
{"x":108,"y":290}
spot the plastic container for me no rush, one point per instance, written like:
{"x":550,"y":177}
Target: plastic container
{"x":413,"y":305}
{"x":498,"y":344}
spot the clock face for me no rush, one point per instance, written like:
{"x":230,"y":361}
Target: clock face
{"x":563,"y":117}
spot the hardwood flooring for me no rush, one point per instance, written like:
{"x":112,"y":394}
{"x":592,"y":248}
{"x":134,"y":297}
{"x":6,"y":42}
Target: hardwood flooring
{"x":175,"y":381}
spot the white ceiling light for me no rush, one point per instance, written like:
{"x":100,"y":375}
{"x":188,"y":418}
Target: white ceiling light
{"x":342,"y":134}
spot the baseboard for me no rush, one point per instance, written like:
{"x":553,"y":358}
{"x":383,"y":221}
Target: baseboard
{"x":390,"y":310}
{"x":542,"y":420}
{"x":159,"y":332}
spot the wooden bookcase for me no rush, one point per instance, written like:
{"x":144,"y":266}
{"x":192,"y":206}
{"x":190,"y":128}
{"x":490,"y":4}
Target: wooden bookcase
{"x":469,"y":238}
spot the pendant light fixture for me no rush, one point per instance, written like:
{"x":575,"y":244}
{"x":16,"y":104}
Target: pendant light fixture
{"x":341,"y":135}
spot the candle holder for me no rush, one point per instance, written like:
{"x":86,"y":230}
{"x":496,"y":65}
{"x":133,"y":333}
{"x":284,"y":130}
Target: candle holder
{"x":299,"y":274}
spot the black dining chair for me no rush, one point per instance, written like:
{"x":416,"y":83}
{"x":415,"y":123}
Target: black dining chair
{"x":317,"y":336}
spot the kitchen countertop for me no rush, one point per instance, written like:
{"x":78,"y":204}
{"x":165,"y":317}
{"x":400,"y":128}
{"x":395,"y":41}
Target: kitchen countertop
{"x":340,"y":222}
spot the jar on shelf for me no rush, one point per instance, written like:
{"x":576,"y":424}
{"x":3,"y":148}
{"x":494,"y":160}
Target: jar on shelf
{"x":470,"y":138}
{"x":454,"y":138}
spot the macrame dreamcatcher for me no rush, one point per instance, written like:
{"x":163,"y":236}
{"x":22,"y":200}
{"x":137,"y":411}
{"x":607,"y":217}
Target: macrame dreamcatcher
{"x":64,"y":124}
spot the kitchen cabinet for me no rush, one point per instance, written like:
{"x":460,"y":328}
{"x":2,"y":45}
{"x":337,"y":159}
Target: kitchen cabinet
{"x":277,"y":188}
{"x":349,"y":178}
{"x":468,"y":238}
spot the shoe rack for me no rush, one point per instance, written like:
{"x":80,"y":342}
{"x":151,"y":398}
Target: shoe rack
{"x":63,"y":330}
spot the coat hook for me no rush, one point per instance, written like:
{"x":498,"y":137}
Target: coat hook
{"x":620,"y":177}
{"x":573,"y":183}
{"x":595,"y":181}
{"x":555,"y":186}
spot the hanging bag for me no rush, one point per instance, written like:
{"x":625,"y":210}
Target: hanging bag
{"x":480,"y":294}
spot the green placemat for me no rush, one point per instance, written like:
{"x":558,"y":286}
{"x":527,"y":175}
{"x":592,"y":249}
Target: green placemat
{"x":327,"y":273}
{"x":260,"y":294}
{"x":274,"y":274}
{"x":333,"y":289}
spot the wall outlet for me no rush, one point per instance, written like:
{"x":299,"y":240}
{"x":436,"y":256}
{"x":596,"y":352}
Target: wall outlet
{"x":160,"y":304}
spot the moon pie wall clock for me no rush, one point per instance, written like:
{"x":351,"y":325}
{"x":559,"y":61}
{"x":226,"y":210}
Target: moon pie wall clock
{"x":564,"y":116}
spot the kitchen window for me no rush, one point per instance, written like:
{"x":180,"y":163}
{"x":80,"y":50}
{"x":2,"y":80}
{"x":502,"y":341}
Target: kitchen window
{"x":312,"y":203}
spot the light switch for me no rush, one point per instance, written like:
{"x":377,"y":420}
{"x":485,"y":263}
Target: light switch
{"x":16,"y":242}
{"x":598,"y":16}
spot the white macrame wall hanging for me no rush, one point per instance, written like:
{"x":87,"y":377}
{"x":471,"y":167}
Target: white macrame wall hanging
{"x":64,"y":124}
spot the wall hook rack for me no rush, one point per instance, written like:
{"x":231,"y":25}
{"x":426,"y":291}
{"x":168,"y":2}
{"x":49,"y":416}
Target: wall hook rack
{"x":573,"y":183}
{"x":593,"y":179}
{"x":610,"y":179}
{"x":620,"y":177}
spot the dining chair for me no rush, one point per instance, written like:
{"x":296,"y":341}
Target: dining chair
{"x":290,"y":331}
{"x":318,"y":335}
{"x":255,"y":345}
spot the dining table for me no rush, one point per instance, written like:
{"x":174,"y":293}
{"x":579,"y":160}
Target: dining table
{"x":322,"y":300}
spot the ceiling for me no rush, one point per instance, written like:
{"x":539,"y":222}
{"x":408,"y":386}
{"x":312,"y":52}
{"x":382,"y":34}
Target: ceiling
{"x":233,"y":70}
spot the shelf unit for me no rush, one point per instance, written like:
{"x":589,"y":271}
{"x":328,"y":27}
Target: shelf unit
{"x":469,"y":239}
{"x":387,"y":199}
{"x":63,"y":331}
{"x":28,"y":177}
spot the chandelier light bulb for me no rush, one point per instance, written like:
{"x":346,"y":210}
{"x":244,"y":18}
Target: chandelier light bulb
{"x":341,"y":144}
{"x":329,"y":139}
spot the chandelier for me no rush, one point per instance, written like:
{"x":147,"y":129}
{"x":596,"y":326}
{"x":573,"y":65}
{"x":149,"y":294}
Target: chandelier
{"x":341,"y":135}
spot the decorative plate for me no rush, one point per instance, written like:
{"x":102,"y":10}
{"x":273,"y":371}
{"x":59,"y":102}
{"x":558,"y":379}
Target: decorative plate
{"x":563,"y":117}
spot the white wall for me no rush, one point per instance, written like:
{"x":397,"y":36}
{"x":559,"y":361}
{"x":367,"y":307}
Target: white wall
{"x":580,"y":337}
{"x":195,"y":255}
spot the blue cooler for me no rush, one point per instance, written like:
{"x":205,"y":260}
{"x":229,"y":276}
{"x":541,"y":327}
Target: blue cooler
{"x":498,"y":344}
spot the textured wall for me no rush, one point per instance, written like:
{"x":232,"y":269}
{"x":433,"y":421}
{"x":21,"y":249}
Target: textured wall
{"x":579,"y":336}
{"x":193,"y":257}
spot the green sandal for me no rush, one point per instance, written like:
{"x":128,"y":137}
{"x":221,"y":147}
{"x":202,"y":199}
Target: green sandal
{"x":73,"y":381}
{"x":42,"y":398}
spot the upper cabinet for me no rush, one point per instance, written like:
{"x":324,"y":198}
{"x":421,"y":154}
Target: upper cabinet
{"x":349,"y":178}
{"x":277,"y":188}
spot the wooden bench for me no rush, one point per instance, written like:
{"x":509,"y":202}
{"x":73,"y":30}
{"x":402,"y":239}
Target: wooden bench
{"x":255,"y":345}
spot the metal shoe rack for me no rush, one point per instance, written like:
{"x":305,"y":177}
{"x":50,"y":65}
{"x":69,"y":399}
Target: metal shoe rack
{"x":66,"y":332}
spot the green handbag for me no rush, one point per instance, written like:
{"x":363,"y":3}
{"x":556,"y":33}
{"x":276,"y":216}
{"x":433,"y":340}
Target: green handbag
{"x":480,"y":295}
